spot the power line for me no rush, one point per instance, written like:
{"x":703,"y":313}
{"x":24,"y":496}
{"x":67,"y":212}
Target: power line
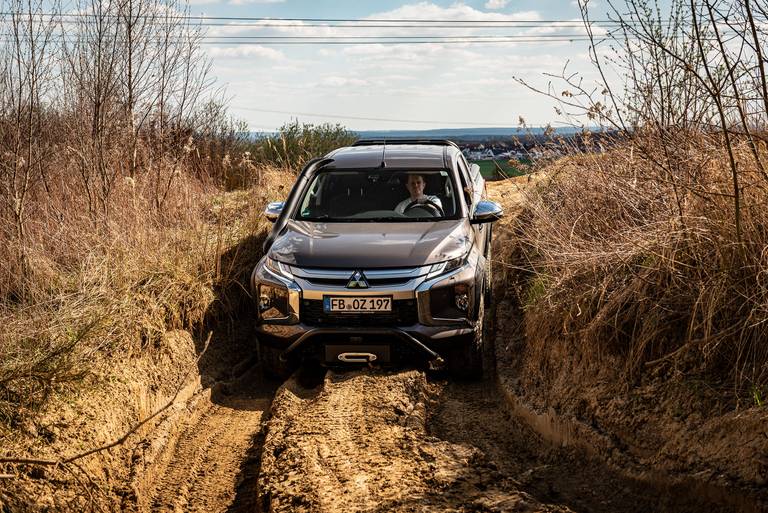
{"x":310,"y":20}
{"x":561,"y":24}
{"x":360,"y":118}
{"x":454,"y":41}
{"x":358,"y":38}
{"x":353,"y":43}
{"x":430,"y":26}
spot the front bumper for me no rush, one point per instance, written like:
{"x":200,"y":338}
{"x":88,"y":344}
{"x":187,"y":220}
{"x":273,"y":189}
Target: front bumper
{"x":424,"y":333}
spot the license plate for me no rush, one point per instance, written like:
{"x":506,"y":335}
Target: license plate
{"x":348,"y":304}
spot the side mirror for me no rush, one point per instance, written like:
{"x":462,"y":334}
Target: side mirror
{"x":273,"y":210}
{"x":487,"y":212}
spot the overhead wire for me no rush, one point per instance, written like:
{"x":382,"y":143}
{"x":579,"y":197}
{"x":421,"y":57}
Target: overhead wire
{"x":343,"y":23}
{"x":322,"y":20}
{"x":390,"y":120}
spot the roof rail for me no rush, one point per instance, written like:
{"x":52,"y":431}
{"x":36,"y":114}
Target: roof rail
{"x":385,"y":142}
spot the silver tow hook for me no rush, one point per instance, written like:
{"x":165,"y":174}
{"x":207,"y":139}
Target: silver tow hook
{"x":357,"y":357}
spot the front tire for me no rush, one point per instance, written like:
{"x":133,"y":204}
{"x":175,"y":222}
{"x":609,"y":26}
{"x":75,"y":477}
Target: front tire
{"x":271,"y":365}
{"x":465,"y":359}
{"x":489,"y":274}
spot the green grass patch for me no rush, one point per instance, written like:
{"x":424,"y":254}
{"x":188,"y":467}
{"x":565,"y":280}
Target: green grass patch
{"x":493,"y":169}
{"x":536,"y":290}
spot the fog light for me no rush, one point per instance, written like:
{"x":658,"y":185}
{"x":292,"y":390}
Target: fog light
{"x":273,"y":302}
{"x":461,"y":295}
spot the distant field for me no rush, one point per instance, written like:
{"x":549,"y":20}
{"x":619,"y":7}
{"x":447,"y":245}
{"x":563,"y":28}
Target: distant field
{"x":489,"y":168}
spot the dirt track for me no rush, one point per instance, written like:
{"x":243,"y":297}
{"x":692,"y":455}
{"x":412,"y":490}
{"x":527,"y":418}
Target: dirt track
{"x":205,"y":457}
{"x":369,"y":440}
{"x":374,"y":441}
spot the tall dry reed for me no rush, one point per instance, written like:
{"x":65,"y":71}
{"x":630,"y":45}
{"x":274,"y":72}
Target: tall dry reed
{"x":642,"y":262}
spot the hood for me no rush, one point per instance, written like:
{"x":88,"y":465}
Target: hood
{"x":369,"y":245}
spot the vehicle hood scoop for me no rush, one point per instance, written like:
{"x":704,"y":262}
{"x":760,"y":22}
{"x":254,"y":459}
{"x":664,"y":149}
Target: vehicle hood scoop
{"x":369,"y":245}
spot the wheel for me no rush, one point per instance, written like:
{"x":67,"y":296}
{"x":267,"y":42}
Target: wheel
{"x":489,"y":272}
{"x":271,"y":365}
{"x":465,"y":359}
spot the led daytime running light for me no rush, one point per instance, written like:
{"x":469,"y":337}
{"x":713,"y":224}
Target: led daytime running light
{"x":447,"y":266}
{"x":278,"y":268}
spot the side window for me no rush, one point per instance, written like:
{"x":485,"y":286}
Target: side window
{"x":313,"y":197}
{"x":466,"y":182}
{"x":478,"y":183}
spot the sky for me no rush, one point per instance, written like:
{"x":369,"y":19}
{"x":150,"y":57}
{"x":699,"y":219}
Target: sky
{"x":394,"y":86}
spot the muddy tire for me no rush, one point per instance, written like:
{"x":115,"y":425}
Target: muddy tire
{"x":271,"y":365}
{"x":465,"y":359}
{"x":488,"y":278}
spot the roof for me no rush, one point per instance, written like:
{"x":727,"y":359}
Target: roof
{"x":400,"y":155}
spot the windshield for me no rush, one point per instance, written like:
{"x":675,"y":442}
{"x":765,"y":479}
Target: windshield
{"x":379,"y":195}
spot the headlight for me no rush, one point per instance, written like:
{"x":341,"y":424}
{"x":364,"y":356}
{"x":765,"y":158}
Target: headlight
{"x":273,"y":302}
{"x":446,"y":267}
{"x":278,"y":268}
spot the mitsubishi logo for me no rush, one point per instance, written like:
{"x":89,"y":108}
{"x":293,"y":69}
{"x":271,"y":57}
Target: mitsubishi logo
{"x":357,"y":281}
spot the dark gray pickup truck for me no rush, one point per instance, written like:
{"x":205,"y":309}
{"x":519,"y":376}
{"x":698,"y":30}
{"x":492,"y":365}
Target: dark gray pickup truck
{"x":379,"y":255}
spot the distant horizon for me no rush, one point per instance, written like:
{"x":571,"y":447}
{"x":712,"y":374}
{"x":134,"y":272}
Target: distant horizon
{"x":474,"y":131}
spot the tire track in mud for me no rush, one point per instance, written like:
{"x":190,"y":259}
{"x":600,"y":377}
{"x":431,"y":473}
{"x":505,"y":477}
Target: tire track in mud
{"x":206,"y":461}
{"x":376,"y":441}
{"x":359,"y":442}
{"x":207,"y":456}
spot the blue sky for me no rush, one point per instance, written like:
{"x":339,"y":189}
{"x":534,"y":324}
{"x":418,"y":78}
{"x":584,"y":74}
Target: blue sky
{"x":416,"y":86}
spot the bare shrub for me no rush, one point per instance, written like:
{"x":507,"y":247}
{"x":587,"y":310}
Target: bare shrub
{"x":651,"y":248}
{"x":113,"y":228}
{"x":296,"y":143}
{"x":626,"y":276}
{"x":101,"y":293}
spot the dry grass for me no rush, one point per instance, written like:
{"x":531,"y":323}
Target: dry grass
{"x":639,"y":262}
{"x":94,"y":291}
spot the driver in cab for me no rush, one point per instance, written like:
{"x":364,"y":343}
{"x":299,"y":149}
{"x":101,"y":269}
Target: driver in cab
{"x":415,"y":186}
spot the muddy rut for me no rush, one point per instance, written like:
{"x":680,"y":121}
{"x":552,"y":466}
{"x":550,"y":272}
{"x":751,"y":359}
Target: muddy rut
{"x":204,"y":457}
{"x":373,"y":441}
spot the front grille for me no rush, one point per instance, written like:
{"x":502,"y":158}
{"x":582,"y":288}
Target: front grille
{"x":372,"y":282}
{"x":404,"y":313}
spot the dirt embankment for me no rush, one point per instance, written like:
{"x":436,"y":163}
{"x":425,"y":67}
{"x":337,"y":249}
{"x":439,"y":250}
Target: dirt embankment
{"x":675,"y":432}
{"x":196,"y":455}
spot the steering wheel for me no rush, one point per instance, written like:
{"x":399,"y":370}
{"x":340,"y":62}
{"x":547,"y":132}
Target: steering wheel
{"x":431,"y":207}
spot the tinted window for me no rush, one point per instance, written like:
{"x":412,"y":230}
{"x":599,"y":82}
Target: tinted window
{"x":378,"y":195}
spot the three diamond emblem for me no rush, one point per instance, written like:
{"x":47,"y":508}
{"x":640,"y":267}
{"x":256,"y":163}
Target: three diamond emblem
{"x":357,"y":281}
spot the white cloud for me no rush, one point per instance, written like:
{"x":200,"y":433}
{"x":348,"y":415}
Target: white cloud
{"x":334,"y":81}
{"x":458,"y":11}
{"x":406,"y":81}
{"x":415,"y":12}
{"x":236,"y":52}
{"x":496,"y":4}
{"x":574,"y":26}
{"x":247,"y":2}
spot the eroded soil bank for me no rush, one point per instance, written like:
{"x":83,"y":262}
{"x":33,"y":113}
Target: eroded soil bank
{"x":200,"y":454}
{"x":673,"y":431}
